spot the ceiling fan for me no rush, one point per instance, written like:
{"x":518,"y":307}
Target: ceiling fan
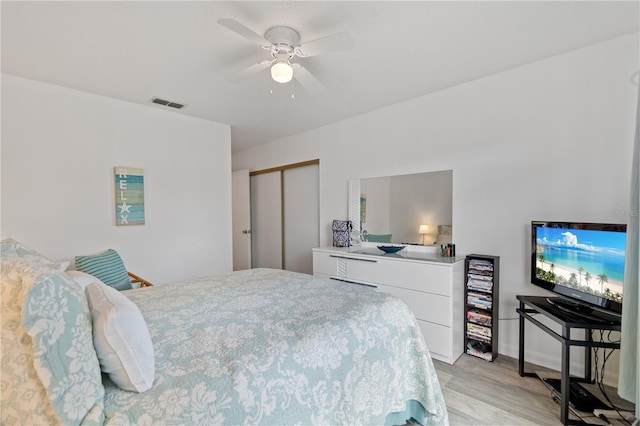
{"x":283,"y":44}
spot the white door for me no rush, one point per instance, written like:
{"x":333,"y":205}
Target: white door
{"x":301,"y":217}
{"x":241,"y":223}
{"x":285,"y":216}
{"x":266,"y":220}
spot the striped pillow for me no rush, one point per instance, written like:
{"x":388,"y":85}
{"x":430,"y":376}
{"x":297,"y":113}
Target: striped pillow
{"x":107,"y":267}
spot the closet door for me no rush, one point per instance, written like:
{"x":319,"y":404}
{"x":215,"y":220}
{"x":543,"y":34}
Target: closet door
{"x":301,"y":217}
{"x":285,"y":216}
{"x":266,"y":221}
{"x":241,"y":223}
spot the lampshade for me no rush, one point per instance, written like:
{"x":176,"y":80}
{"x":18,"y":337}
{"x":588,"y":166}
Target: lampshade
{"x":424,"y":229}
{"x":282,"y":72}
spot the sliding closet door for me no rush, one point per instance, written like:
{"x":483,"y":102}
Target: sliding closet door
{"x":241,"y":223}
{"x":266,"y":221}
{"x":301,"y":217}
{"x":285,"y":216}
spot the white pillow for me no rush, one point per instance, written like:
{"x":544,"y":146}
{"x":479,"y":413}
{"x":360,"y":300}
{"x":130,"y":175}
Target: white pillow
{"x":121,"y":338}
{"x":82,"y":278}
{"x":62,"y":266}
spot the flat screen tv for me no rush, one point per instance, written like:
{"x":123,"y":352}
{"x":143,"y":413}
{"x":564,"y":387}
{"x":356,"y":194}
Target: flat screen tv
{"x":580,"y":261}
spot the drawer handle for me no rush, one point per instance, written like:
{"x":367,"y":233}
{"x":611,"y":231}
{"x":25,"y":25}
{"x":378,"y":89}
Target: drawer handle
{"x":354,"y":258}
{"x":353,"y":282}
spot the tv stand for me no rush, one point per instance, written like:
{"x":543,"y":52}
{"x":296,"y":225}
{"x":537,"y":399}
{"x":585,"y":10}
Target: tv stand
{"x":529,"y":307}
{"x":568,"y":304}
{"x":581,"y":312}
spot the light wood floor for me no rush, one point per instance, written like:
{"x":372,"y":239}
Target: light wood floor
{"x":478,"y":392}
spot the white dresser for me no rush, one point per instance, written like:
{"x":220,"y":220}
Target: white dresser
{"x":431,"y":285}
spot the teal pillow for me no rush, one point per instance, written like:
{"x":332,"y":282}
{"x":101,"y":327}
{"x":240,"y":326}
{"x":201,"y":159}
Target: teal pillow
{"x":50,"y":371}
{"x":381,"y":238}
{"x":10,"y":248}
{"x":56,"y":316}
{"x":108,"y":267}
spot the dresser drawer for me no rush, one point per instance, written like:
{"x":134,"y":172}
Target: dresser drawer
{"x":432,"y":289}
{"x":438,"y":339}
{"x":425,"y":306}
{"x":418,"y":276}
{"x":324,"y":264}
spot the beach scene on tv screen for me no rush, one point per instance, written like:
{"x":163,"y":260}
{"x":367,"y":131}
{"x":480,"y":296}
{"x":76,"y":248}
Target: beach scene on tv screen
{"x":587,"y":260}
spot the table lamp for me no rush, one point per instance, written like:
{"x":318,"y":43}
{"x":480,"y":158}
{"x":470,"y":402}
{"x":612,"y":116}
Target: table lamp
{"x":424,"y":229}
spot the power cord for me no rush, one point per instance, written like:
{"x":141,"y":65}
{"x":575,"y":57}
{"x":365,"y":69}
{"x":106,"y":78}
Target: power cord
{"x":600,"y":374}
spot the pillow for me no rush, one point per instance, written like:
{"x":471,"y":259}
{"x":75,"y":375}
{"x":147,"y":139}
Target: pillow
{"x":107,"y":267}
{"x":23,"y":399}
{"x":82,"y":279}
{"x":382,"y":238}
{"x":11,"y":248}
{"x":443,"y":239}
{"x":444,"y":234}
{"x":50,"y":371}
{"x":444,"y":229}
{"x":121,"y":338}
{"x":62,"y":266}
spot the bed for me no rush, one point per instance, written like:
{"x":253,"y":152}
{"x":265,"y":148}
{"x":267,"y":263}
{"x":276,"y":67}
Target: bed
{"x":259,"y":346}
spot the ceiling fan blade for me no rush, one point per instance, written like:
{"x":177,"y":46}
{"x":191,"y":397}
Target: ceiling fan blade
{"x":306,"y":79}
{"x":244,"y":31}
{"x":332,"y":43}
{"x":252,"y":69}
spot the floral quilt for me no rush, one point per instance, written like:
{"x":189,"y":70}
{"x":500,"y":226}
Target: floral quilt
{"x":274,"y":347}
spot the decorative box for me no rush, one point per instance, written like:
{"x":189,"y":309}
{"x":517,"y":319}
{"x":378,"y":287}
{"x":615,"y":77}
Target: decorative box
{"x":341,"y":233}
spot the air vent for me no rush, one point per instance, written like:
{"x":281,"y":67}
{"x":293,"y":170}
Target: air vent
{"x":167,"y":103}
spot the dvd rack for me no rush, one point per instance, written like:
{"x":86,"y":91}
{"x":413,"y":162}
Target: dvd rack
{"x":481,"y":305}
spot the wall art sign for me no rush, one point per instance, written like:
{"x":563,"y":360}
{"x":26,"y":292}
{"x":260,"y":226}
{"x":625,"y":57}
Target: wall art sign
{"x":129,"y":196}
{"x":363,"y":207}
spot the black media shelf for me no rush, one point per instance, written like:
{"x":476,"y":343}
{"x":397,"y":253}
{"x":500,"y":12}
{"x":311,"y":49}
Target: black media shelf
{"x":481,"y":274}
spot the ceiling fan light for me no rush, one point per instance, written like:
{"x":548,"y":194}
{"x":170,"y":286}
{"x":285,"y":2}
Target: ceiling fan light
{"x":282,"y":72}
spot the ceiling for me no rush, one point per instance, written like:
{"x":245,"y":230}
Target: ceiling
{"x":177,"y":51}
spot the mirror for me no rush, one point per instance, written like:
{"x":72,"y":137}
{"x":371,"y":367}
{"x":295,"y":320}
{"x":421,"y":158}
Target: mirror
{"x":392,"y":209}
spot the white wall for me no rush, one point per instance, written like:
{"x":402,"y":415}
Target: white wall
{"x":550,"y":140}
{"x":59,"y":150}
